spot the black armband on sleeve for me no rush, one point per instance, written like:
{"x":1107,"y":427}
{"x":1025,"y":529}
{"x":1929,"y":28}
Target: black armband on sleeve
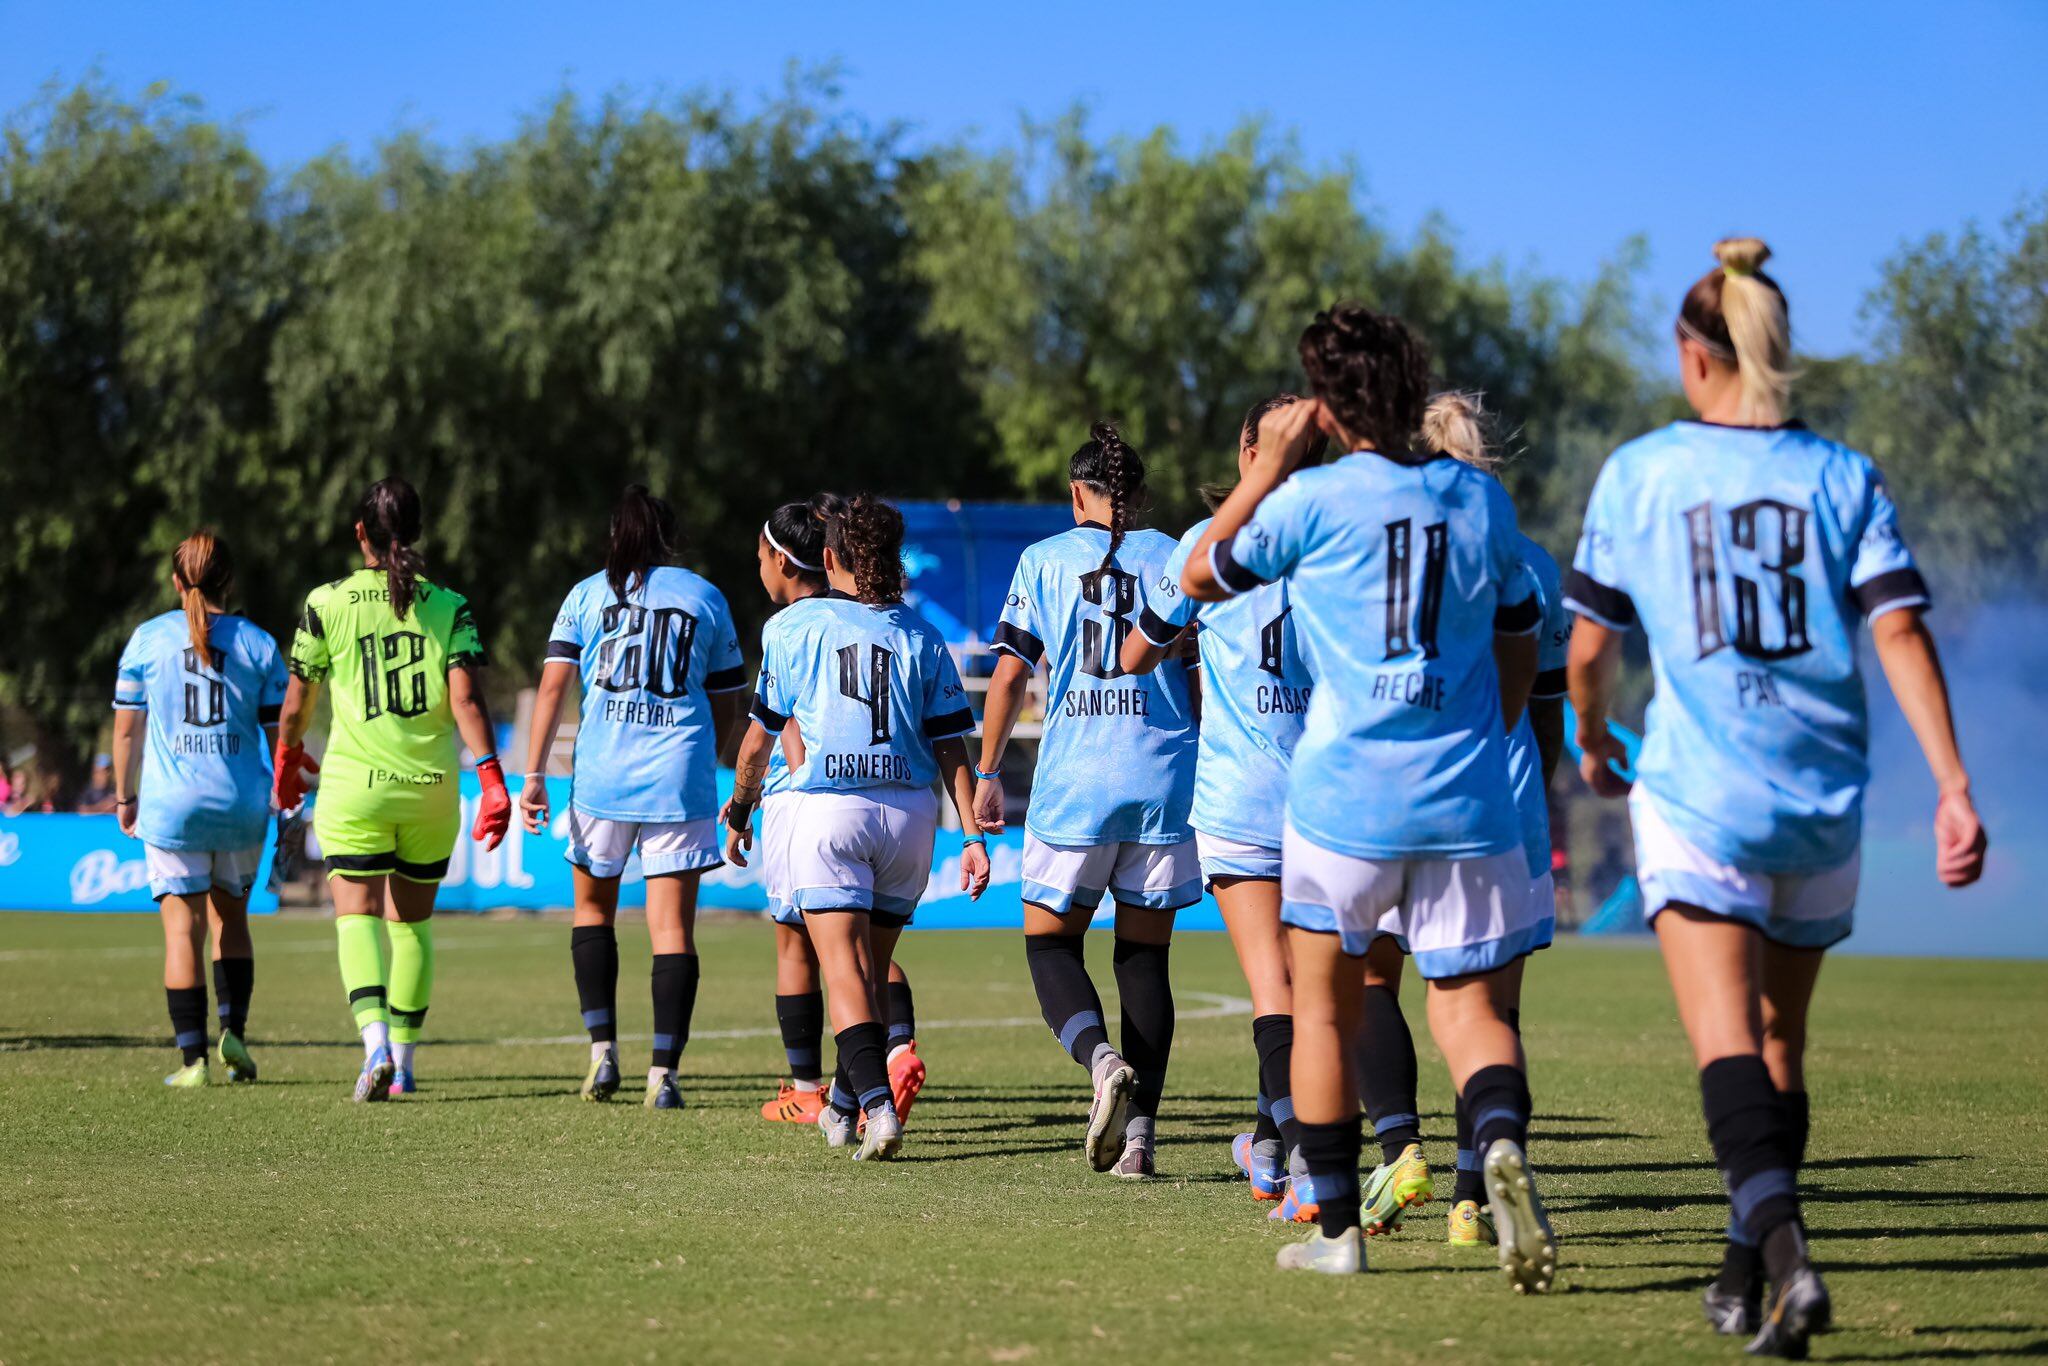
{"x":1589,"y":597}
{"x":1019,"y":642}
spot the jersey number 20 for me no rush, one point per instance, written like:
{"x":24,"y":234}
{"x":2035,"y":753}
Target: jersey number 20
{"x":668,"y":633}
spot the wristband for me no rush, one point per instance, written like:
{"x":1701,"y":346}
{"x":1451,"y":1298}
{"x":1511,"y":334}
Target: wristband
{"x":490,"y":758}
{"x":981,"y":840}
{"x":739,"y":815}
{"x":988,"y":777}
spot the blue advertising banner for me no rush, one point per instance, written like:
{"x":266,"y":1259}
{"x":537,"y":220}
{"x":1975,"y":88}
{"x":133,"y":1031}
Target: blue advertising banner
{"x":84,"y":863}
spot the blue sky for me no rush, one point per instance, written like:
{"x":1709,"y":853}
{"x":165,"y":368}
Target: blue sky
{"x":1546,"y":134}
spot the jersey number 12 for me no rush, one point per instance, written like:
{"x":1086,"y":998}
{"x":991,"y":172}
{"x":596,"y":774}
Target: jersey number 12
{"x":394,"y":674}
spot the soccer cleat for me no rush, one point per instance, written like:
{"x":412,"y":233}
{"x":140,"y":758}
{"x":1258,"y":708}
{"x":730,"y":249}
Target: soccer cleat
{"x":1136,"y":1162}
{"x":792,"y":1106}
{"x":1470,"y":1225}
{"x":1261,"y":1163}
{"x":375,"y":1081}
{"x":1734,"y":1313}
{"x":1299,"y":1205}
{"x":1528,"y":1249}
{"x":402,"y":1083}
{"x":1799,"y":1309}
{"x":881,"y":1140}
{"x":664,"y":1094}
{"x":1343,"y":1255}
{"x":836,"y":1125}
{"x":906,"y":1079}
{"x":1109,"y":1112}
{"x":190,"y":1077}
{"x":1393,"y":1188}
{"x":602,"y":1081}
{"x":234,"y":1055}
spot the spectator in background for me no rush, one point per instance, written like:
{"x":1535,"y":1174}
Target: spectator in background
{"x":98,"y":797}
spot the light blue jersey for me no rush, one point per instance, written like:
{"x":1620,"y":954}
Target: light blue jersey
{"x":1116,"y":764}
{"x":1525,"y":760}
{"x":1255,"y":692}
{"x":646,"y":745}
{"x":206,"y":765}
{"x":871,"y":689}
{"x":1748,"y":556}
{"x":1400,"y":575}
{"x":777,"y":779}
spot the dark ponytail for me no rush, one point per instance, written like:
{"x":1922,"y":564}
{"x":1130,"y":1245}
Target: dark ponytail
{"x":643,"y":537}
{"x":798,"y":531}
{"x":866,"y":535}
{"x":1110,"y":467}
{"x":390,"y":517}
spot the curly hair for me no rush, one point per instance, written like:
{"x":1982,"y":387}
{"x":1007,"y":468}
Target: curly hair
{"x":1248,"y":435}
{"x":867,"y":537}
{"x":1111,"y":467}
{"x":1370,"y":370}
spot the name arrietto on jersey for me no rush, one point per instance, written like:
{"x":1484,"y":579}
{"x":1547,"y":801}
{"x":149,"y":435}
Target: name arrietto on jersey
{"x":200,"y":746}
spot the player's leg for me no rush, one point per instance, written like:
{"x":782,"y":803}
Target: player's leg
{"x":800,"y":1017}
{"x":1470,"y":1223}
{"x":408,"y":920}
{"x":907,"y":1072}
{"x":1387,"y":1083}
{"x":358,"y":916}
{"x":184,"y":923}
{"x":860,"y":1082}
{"x":1251,"y":913}
{"x":673,"y":978}
{"x":1150,"y":882}
{"x":1329,"y":987}
{"x":1062,"y":887}
{"x":597,"y":852}
{"x":901,"y":861}
{"x":234,"y":959}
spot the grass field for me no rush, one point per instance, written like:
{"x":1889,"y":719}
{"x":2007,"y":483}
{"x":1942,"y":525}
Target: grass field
{"x":493,"y":1217}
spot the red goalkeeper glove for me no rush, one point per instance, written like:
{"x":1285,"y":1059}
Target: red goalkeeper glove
{"x":494,"y":807}
{"x":288,"y":780}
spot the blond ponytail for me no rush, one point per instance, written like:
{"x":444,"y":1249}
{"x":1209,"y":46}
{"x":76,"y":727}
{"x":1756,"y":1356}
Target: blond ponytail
{"x":1737,"y":314}
{"x":1458,"y":425}
{"x":204,"y":572}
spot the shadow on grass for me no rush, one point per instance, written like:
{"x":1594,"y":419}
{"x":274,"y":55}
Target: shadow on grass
{"x":1594,"y":1204}
{"x":1829,"y":1164}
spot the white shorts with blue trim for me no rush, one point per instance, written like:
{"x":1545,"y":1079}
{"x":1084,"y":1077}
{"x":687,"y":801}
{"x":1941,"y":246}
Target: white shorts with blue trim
{"x":1452,"y":916}
{"x":771,"y":855}
{"x":864,"y":850}
{"x":601,"y":847}
{"x":1799,"y":910}
{"x":1066,"y":877}
{"x":1224,"y":857}
{"x":189,"y":872}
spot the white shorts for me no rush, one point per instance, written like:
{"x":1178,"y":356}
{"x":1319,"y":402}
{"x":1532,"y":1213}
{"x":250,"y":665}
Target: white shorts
{"x":1799,"y":910}
{"x":1224,"y":857}
{"x":601,"y":847}
{"x":868,"y":850}
{"x":1453,"y":916}
{"x":1063,"y":877}
{"x":188,"y":872}
{"x":771,"y":852}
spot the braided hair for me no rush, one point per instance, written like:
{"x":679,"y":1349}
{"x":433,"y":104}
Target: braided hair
{"x":1371,"y":371}
{"x":1106,"y":464}
{"x":390,"y":517}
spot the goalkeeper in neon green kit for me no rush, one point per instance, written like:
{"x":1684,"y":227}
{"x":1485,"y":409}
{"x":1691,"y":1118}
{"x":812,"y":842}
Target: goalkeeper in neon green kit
{"x":404,"y":662}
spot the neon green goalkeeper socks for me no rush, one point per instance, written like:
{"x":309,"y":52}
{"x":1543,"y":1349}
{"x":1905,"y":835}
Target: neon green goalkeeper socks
{"x":362,"y":967}
{"x":412,"y":977}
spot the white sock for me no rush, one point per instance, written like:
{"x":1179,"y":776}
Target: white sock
{"x":598,"y":1050}
{"x":401,"y":1054}
{"x":808,"y":1086}
{"x":376,"y":1035}
{"x":655,"y":1074}
{"x":897,"y":1049}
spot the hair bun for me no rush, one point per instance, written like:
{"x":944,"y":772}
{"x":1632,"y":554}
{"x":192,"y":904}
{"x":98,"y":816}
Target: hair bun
{"x":1105,"y":434}
{"x":1741,"y":255}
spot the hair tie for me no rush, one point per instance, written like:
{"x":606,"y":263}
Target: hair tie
{"x":786,"y":553}
{"x":1733,"y":270}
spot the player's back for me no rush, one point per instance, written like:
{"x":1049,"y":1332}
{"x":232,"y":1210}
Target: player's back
{"x":1117,"y":759}
{"x":1749,"y":555}
{"x":387,"y":679}
{"x":206,"y":766}
{"x":646,"y":742}
{"x":871,"y":688}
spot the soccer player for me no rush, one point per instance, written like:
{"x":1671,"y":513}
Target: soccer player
{"x":1255,"y":692}
{"x":1748,"y":550}
{"x":1398,"y":803}
{"x":1110,"y":801}
{"x":406,"y":665}
{"x":791,"y":556}
{"x":882,"y":714}
{"x":206,"y":685}
{"x":662,"y":678}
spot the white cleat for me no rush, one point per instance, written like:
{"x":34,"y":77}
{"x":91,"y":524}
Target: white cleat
{"x":883,"y":1139}
{"x":1109,"y":1112}
{"x":1528,"y":1249}
{"x":1343,"y":1255}
{"x":837,"y":1126}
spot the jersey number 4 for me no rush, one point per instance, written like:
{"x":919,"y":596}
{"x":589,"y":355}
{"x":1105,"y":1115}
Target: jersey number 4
{"x":1751,"y":527}
{"x":876,"y":698}
{"x":394,"y":674}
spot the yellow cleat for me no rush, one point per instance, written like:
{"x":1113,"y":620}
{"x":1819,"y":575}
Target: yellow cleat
{"x":1470,"y":1225}
{"x":234,"y":1056}
{"x":1394,"y":1188}
{"x":190,"y":1077}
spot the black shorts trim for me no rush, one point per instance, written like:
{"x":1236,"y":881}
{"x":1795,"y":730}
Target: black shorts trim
{"x":952,"y":724}
{"x":1018,"y":642}
{"x":1895,"y":587}
{"x":420,"y":872}
{"x":362,"y":863}
{"x":1518,"y":618}
{"x":1234,"y":577}
{"x":1610,"y":607}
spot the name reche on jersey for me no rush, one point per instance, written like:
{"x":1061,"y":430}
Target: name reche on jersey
{"x":1412,"y":689}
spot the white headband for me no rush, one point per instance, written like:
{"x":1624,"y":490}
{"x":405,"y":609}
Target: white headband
{"x":784,"y":551}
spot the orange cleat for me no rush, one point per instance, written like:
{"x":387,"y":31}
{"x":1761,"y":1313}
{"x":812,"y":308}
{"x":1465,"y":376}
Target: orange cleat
{"x":792,"y":1106}
{"x":906,"y":1079}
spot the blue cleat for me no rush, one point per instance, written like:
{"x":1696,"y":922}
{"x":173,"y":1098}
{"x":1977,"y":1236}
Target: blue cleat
{"x":1298,"y":1206}
{"x":1261,"y":1163}
{"x":375,"y":1082}
{"x":664,"y":1094}
{"x":402,"y":1083}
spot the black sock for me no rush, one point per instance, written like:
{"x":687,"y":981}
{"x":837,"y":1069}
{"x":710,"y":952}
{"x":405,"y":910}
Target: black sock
{"x":1742,"y":1261}
{"x":1264,"y":1130}
{"x":675,"y":998}
{"x":1330,"y":1152}
{"x":1066,"y":996}
{"x":1749,"y":1129}
{"x":802,"y":1020}
{"x":841,"y":1095}
{"x":1146,"y":989}
{"x":1497,"y":1098}
{"x":902,"y":1013}
{"x":1273,"y":1037}
{"x":234,"y":980}
{"x":1798,"y":1126}
{"x":188,"y":1020}
{"x":1386,"y":1072}
{"x":1470,"y":1185}
{"x":867,"y":1074}
{"x":594,"y":949}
